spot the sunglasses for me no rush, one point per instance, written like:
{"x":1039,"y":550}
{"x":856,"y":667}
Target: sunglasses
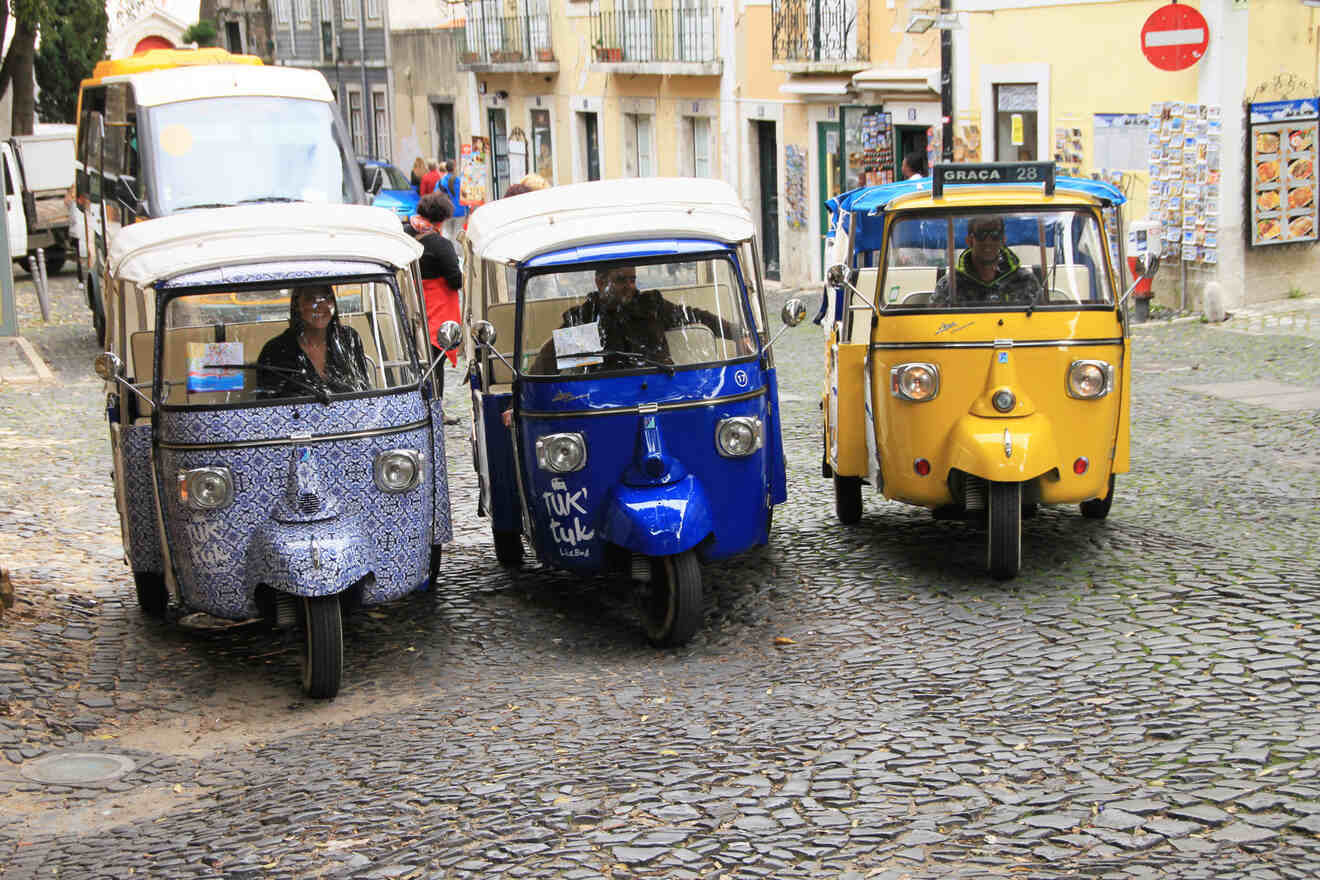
{"x":989,"y":235}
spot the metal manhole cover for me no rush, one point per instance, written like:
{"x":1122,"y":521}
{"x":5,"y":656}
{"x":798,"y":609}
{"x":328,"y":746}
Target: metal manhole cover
{"x":77,"y":768}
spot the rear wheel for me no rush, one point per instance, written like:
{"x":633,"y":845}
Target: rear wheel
{"x":848,"y":499}
{"x":1098,"y":508}
{"x":151,"y":594}
{"x":323,"y":647}
{"x":1004,"y":533}
{"x":436,"y":554}
{"x":508,"y":547}
{"x":671,"y":604}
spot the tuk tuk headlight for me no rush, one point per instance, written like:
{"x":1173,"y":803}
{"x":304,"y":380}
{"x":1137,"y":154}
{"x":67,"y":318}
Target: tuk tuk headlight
{"x":397,"y":470}
{"x":916,"y":382}
{"x":561,"y":453}
{"x":1089,"y":380}
{"x":738,"y":437}
{"x":207,"y":488}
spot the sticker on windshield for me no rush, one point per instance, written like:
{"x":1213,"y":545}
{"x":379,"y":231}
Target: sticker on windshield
{"x":740,"y":378}
{"x":176,"y":140}
{"x":578,"y":346}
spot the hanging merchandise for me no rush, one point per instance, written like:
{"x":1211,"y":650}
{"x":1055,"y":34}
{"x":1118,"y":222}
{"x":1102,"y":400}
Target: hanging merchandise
{"x":868,"y":144}
{"x":795,"y":186}
{"x":1282,"y":136}
{"x":1183,"y":144}
{"x":474,"y":172}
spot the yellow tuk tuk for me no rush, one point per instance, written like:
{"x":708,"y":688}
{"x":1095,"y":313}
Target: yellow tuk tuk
{"x":977,"y":353}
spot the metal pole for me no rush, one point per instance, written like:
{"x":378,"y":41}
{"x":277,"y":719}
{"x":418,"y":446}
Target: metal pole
{"x":368,"y":112}
{"x":39,"y":279}
{"x":1182,"y":285}
{"x":8,"y":309}
{"x":946,"y":85}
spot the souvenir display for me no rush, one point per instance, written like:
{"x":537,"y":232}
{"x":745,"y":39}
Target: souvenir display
{"x":1282,"y":194}
{"x":1182,"y":156}
{"x":795,"y":186}
{"x":868,"y":137}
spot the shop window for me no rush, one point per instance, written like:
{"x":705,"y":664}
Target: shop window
{"x":381,"y":119}
{"x":1015,"y":122}
{"x":355,"y":122}
{"x":637,"y":144}
{"x":542,"y":159}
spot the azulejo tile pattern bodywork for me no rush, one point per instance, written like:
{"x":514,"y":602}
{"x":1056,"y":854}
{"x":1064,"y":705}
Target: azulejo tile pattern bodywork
{"x":142,"y":543}
{"x":220,"y":556}
{"x":442,"y":532}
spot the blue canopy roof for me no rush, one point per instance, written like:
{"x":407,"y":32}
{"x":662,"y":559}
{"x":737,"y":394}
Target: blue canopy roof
{"x":877,"y":198}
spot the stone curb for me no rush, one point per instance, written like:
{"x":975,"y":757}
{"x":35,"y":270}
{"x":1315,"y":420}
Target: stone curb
{"x":20,"y":362}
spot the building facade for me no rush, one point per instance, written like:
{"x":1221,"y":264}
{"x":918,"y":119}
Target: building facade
{"x":243,"y":26}
{"x":346,"y":40}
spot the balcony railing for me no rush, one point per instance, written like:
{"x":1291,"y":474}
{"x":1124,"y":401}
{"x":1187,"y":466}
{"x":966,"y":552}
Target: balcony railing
{"x":821,"y":31}
{"x":683,"y":35}
{"x":505,"y":39}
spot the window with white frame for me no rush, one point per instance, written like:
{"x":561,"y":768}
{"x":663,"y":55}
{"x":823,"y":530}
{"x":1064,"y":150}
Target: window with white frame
{"x":282,"y":10}
{"x":355,"y":122}
{"x":638,"y":146}
{"x":373,"y":9}
{"x":304,"y":10}
{"x":381,"y":119}
{"x":327,"y":10}
{"x":348,"y":10}
{"x":696,"y":146}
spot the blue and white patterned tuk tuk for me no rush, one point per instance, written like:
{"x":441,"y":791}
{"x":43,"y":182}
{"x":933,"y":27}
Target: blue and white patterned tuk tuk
{"x":276,"y":431}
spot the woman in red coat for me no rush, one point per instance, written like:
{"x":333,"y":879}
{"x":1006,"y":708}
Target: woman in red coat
{"x":441,"y":277}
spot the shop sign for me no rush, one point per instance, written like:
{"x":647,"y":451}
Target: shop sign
{"x":1175,"y":37}
{"x":1283,"y":136}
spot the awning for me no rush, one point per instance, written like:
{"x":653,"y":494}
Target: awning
{"x":816,"y":86}
{"x":908,"y":82}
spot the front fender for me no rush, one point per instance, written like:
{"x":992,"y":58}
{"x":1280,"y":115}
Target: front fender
{"x":309,"y":559}
{"x":658,"y":520}
{"x":977,"y":447}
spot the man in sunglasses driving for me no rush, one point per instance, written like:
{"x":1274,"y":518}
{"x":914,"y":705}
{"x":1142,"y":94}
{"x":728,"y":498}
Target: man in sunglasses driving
{"x":987,"y":272}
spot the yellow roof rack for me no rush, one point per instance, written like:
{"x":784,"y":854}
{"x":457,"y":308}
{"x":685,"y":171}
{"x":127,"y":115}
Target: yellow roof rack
{"x":159,"y":59}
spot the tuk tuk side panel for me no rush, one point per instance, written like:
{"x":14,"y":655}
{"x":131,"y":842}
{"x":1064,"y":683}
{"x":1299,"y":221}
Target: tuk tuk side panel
{"x":500,"y":472}
{"x":1122,"y":444}
{"x":442,"y":530}
{"x":142,"y":539}
{"x":845,"y":408}
{"x":959,"y":430}
{"x":774,"y":441}
{"x":570,"y":510}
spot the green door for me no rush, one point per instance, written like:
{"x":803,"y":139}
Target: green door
{"x":829,"y":174}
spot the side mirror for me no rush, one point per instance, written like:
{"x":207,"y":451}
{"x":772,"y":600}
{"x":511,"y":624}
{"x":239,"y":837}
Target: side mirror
{"x":794,"y":313}
{"x":837,"y":274}
{"x":108,"y":366}
{"x":1148,"y":265}
{"x":484,"y":333}
{"x":449,"y":336}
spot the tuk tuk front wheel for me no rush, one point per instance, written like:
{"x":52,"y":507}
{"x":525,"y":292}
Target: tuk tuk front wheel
{"x":671,"y":604}
{"x":151,"y":594}
{"x":1098,"y":508}
{"x":508,"y":547}
{"x":1004,"y":532}
{"x":848,"y":499}
{"x":323,"y":647}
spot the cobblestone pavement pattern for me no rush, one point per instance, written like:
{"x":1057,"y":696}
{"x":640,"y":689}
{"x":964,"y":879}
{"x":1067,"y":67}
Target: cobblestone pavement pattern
{"x":862,"y":702}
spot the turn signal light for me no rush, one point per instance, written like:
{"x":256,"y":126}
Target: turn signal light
{"x":1080,"y":466}
{"x":921,"y":466}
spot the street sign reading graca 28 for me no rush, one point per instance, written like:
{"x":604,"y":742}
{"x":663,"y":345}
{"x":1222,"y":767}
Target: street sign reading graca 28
{"x":1175,"y":37}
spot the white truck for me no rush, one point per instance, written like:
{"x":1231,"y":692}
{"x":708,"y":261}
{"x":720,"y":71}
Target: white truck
{"x":38,"y":171}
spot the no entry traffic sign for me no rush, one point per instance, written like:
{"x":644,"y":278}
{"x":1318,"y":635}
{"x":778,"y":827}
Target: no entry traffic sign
{"x":1174,"y":37}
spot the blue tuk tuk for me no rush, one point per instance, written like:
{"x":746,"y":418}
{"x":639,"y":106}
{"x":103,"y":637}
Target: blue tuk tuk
{"x":626,"y":417}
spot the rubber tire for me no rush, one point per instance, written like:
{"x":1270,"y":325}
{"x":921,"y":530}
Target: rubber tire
{"x":323,"y":647}
{"x":433,"y":579}
{"x":98,"y":326}
{"x":848,"y":499}
{"x":55,"y":259}
{"x":1003,"y":536}
{"x":508,"y":547}
{"x":1098,"y":508}
{"x":673,"y":611}
{"x":152,"y":596}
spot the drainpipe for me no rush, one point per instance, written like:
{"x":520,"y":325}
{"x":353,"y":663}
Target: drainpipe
{"x":946,"y":85}
{"x":368,"y":114}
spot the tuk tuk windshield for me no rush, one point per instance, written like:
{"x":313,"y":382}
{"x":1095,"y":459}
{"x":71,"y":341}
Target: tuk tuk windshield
{"x":634,"y":315}
{"x":1014,"y":258}
{"x":314,"y":340}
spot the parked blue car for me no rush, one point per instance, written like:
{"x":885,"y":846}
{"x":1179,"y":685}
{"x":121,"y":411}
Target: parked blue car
{"x":388,"y":187}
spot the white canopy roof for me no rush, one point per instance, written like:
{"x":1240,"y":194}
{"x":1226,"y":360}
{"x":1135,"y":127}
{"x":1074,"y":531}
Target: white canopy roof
{"x":154,"y":250}
{"x":518,"y":228}
{"x":224,"y":81}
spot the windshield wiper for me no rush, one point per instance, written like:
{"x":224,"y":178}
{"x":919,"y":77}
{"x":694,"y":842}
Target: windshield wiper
{"x":668,"y":368}
{"x":296,"y":376}
{"x":201,"y":205}
{"x":260,"y":199}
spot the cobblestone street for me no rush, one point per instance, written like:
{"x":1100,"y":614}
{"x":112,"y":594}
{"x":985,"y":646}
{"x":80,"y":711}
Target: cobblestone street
{"x":1143,"y":701}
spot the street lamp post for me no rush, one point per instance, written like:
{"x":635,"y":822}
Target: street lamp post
{"x":946,"y":83}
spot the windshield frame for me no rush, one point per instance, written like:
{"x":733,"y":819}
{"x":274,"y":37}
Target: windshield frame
{"x":148,"y":117}
{"x":1087,"y":213}
{"x":167,"y":294}
{"x":724,"y":253}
